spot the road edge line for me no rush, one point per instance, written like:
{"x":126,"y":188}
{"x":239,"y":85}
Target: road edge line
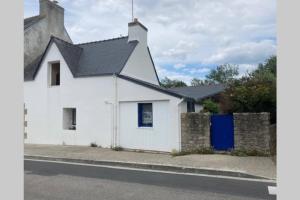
{"x":153,"y":167}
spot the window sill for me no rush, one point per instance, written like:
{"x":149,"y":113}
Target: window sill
{"x":70,"y":129}
{"x":145,"y":127}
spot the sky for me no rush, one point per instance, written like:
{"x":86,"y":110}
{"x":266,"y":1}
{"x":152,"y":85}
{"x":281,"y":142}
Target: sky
{"x":186,"y":38}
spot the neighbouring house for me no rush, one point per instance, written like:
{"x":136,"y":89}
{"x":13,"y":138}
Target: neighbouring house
{"x":105,"y":92}
{"x":38,"y":30}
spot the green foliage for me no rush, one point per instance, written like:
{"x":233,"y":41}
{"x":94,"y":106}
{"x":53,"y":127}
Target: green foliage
{"x":253,"y":93}
{"x":210,"y":106}
{"x":223,"y":74}
{"x":199,"y":82}
{"x":168,"y":83}
{"x":268,"y":66}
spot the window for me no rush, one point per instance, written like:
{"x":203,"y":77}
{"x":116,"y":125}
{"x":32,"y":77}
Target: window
{"x":55,"y":74}
{"x":69,"y":118}
{"x":190,"y":106}
{"x":145,"y":115}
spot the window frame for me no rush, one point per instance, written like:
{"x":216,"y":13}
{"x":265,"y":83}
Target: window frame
{"x":69,"y":123}
{"x":50,"y":74}
{"x":140,"y":110}
{"x":190,"y":106}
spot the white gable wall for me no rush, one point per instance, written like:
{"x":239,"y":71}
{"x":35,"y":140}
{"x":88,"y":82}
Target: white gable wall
{"x":45,"y":106}
{"x":140,"y":66}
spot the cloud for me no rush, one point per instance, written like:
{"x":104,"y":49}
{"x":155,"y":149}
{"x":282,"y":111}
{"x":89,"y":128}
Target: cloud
{"x":248,"y":52}
{"x":244,"y":69}
{"x":202,"y":70}
{"x":179,"y":66}
{"x":163,"y":72}
{"x":191,"y":32}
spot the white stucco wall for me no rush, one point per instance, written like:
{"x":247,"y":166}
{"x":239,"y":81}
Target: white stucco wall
{"x":139,"y":64}
{"x":165,"y":133}
{"x":45,"y":106}
{"x":198,"y":108}
{"x":93,"y":98}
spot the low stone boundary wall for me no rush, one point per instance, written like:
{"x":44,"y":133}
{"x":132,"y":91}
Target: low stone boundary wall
{"x":195,"y":131}
{"x":273,"y":140}
{"x":252,"y":132}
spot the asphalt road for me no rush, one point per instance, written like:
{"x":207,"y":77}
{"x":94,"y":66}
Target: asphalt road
{"x":59,"y":181}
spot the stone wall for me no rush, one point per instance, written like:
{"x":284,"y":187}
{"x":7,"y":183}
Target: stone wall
{"x":25,"y":122}
{"x":273,"y":140}
{"x":195,"y":131}
{"x":251,"y":132}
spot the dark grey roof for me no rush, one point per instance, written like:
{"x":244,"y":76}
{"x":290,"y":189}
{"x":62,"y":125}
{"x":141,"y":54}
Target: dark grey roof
{"x":89,"y":59}
{"x":71,"y":54}
{"x":153,"y":86}
{"x":32,"y":20}
{"x":105,"y":57}
{"x":31,"y":69}
{"x":199,"y":92}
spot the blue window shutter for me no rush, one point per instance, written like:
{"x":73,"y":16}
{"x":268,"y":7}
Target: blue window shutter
{"x":142,"y":108}
{"x":140,"y":115}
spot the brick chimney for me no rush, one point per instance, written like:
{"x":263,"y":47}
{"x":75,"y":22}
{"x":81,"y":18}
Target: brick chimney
{"x":53,"y":13}
{"x":137,"y":31}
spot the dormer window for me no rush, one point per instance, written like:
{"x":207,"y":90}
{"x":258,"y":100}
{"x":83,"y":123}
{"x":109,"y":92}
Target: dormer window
{"x":54,"y":74}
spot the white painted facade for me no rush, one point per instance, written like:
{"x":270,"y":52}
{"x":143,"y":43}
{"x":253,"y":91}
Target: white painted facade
{"x":45,"y":105}
{"x":106,"y":109}
{"x":140,"y":65}
{"x":165,"y":133}
{"x":106,"y":106}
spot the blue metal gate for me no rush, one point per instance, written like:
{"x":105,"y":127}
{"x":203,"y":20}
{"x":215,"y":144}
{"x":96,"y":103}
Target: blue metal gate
{"x":222,"y":132}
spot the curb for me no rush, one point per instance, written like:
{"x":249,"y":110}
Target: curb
{"x":170,"y":168}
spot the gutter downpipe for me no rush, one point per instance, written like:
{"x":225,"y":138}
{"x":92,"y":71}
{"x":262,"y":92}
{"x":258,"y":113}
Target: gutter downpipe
{"x":115,"y":111}
{"x":112,"y":122}
{"x":179,"y":123}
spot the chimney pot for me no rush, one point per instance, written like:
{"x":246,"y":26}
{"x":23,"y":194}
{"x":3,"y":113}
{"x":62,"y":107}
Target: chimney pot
{"x":135,"y":19}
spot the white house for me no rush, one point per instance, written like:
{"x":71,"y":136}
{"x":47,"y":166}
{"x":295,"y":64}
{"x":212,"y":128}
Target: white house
{"x":105,"y":92}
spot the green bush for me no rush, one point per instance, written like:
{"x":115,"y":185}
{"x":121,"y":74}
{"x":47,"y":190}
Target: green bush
{"x":210,"y":106}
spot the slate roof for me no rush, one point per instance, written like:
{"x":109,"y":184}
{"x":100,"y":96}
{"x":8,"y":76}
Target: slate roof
{"x":199,"y":92}
{"x":32,"y":20}
{"x":108,"y":57}
{"x":153,"y":86}
{"x":105,"y":57}
{"x":31,"y":69}
{"x":89,"y":59}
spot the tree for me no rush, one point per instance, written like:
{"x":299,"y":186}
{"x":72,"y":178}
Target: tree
{"x":168,"y":83}
{"x":268,"y":66}
{"x":210,"y":106}
{"x":225,"y":73}
{"x":253,"y":93}
{"x":199,"y":82}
